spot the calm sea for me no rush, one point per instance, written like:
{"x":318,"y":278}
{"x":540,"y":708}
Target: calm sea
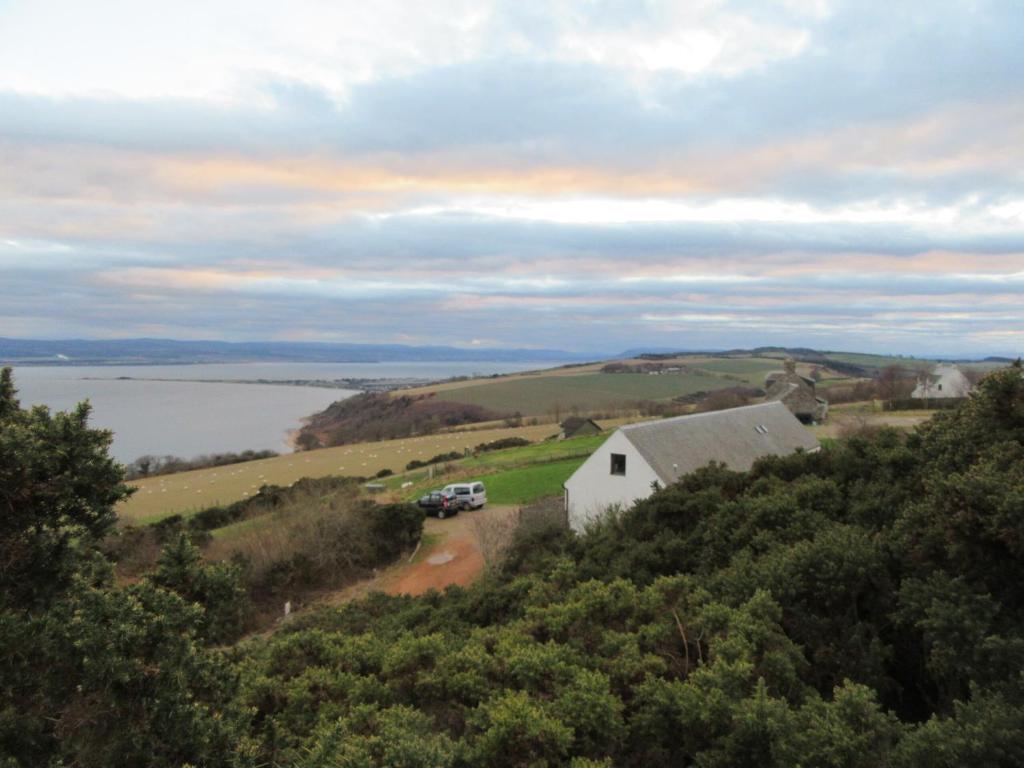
{"x":188,"y":418}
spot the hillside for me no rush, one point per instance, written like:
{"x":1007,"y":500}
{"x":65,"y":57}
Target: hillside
{"x":370,"y":416}
{"x":649,"y":385}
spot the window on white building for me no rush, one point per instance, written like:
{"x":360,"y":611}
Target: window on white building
{"x":618,"y":463}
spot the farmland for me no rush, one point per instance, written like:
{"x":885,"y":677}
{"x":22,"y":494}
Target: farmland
{"x":542,"y":395}
{"x":180,"y":493}
{"x":514,"y":475}
{"x":528,"y":484}
{"x":183,"y":493}
{"x":586,"y":392}
{"x":586,"y":389}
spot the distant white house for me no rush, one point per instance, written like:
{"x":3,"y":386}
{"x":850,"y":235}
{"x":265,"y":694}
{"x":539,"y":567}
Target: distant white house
{"x":944,"y":380}
{"x":625,"y":468}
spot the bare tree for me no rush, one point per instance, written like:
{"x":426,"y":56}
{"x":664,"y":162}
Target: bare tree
{"x":494,"y":531}
{"x":894,"y":382}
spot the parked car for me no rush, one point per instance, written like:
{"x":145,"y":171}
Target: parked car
{"x":439,"y":503}
{"x":471,"y":495}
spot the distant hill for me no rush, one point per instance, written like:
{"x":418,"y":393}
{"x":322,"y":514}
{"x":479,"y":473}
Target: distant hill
{"x":168,"y":351}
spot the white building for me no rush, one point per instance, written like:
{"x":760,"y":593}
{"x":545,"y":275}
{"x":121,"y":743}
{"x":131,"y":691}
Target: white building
{"x":636,"y":456}
{"x":943,"y":381}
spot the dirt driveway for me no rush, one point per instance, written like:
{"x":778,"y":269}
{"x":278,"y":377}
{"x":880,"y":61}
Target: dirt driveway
{"x":451,"y":554}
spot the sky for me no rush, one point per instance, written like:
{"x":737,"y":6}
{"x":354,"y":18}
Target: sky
{"x":590,"y":176}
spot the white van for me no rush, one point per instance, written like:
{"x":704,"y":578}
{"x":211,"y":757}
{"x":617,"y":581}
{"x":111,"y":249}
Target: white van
{"x":471,"y":495}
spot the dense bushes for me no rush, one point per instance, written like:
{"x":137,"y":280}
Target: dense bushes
{"x":58,"y":488}
{"x":438,"y":459}
{"x":722,"y":399}
{"x":92,"y":674}
{"x":219,"y":588}
{"x":380,"y":416}
{"x":135,"y":548}
{"x":317,"y":542}
{"x":501,"y":444}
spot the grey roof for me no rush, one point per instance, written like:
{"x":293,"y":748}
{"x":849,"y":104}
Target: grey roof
{"x":736,"y":437}
{"x":782,"y":391}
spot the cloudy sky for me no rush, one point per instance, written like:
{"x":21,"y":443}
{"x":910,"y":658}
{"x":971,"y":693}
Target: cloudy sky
{"x":579,"y":175}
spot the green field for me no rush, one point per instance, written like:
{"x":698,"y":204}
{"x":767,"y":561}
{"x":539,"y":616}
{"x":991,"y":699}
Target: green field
{"x":531,"y":454}
{"x":740,"y":366}
{"x":517,"y":485}
{"x":879,"y":361}
{"x":515,"y":470}
{"x":588,"y":392}
{"x":528,"y":484}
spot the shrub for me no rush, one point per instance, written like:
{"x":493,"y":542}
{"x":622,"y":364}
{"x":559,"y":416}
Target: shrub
{"x":450,"y":456}
{"x":315,"y":541}
{"x":505,"y":442}
{"x":220,"y":588}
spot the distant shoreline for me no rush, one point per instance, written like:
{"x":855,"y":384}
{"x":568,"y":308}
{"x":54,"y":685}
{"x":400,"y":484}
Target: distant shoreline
{"x":351,"y":385}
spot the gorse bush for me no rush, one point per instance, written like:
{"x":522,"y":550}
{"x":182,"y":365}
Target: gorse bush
{"x":58,"y":488}
{"x":92,"y":674}
{"x":219,"y":588}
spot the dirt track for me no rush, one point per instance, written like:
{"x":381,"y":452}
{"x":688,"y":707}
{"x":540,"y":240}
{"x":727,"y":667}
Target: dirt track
{"x":451,"y":555}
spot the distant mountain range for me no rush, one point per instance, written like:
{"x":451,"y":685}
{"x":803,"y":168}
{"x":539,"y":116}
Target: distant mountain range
{"x":167,"y":351}
{"x":170,"y":352}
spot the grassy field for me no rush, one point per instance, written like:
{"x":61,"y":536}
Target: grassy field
{"x":741,"y":366}
{"x":187,"y":492}
{"x":877,"y":362}
{"x":489,"y":465}
{"x":541,"y":452}
{"x":528,"y":484}
{"x":539,"y":396}
{"x":586,"y":389}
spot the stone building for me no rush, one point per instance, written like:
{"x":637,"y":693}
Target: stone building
{"x":797,"y":393}
{"x":577,"y":426}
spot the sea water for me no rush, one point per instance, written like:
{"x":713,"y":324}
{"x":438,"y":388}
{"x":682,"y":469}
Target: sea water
{"x":189,"y":410}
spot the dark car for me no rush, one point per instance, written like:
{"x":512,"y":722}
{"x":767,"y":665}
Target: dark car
{"x":439,"y":503}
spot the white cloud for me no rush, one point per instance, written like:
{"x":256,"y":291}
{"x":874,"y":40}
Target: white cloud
{"x":222,"y":50}
{"x":602,"y":210}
